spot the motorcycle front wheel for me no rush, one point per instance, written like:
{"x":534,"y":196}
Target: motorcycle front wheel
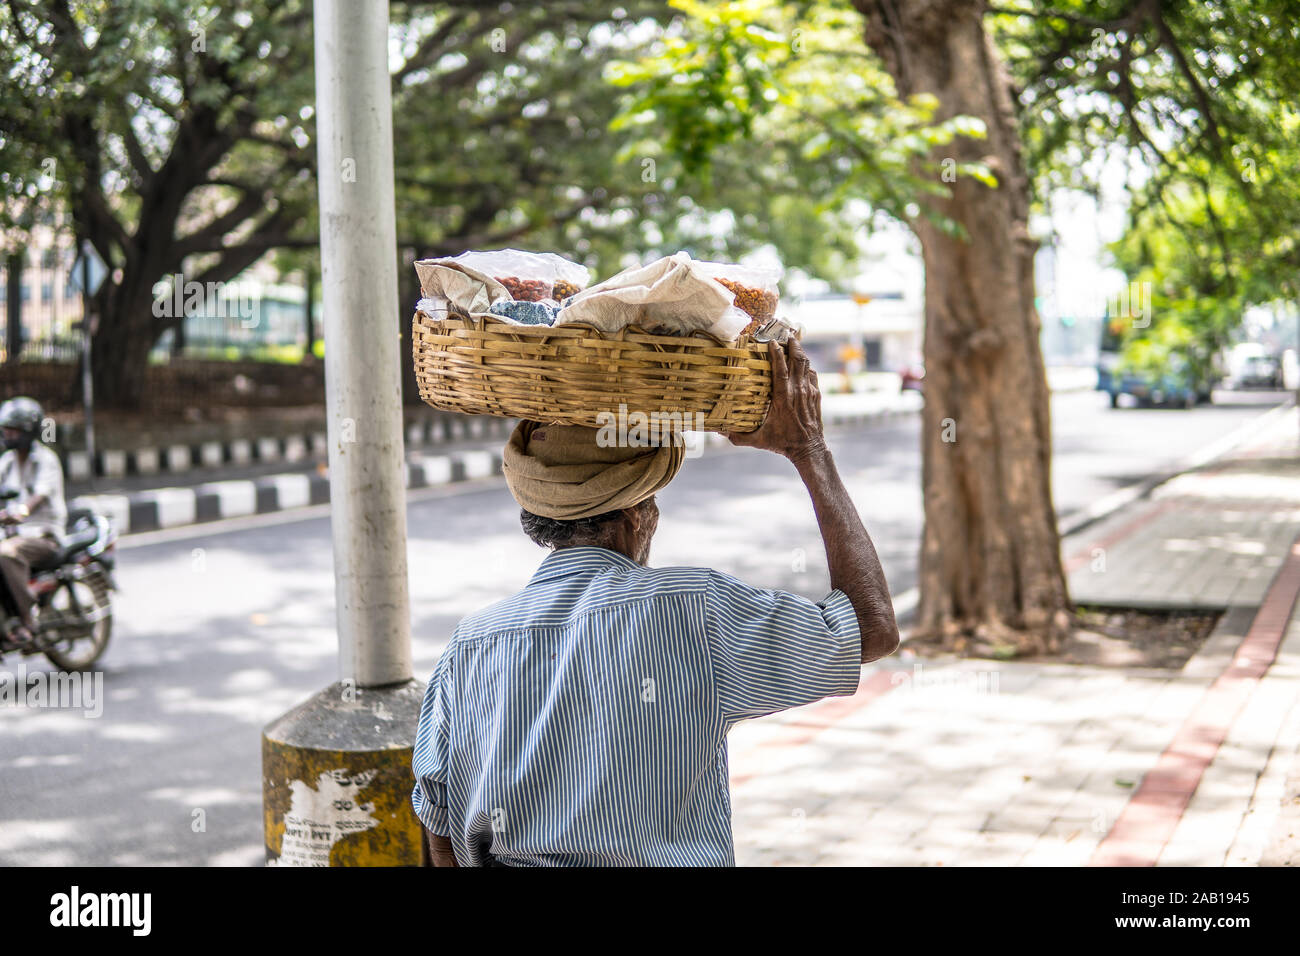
{"x":76,"y":623}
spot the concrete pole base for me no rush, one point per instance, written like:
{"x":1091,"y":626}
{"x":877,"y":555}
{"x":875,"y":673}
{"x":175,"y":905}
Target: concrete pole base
{"x":336,"y":779}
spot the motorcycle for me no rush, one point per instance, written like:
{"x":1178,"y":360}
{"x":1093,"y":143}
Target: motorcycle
{"x":73,"y":590}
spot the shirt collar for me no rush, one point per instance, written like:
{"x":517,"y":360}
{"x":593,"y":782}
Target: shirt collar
{"x":577,"y":560}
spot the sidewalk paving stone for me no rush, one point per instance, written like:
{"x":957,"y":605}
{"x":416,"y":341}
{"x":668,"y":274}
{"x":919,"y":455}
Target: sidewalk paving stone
{"x":1026,"y":763}
{"x":1208,"y":539}
{"x":1220,"y":828}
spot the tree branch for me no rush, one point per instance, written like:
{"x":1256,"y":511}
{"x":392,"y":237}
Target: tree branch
{"x":1202,"y":97}
{"x":139,"y":162}
{"x":208,"y":238}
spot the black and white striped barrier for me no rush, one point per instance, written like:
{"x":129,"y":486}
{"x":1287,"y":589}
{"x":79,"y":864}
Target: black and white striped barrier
{"x":212,"y":501}
{"x":176,"y":507}
{"x":182,"y":458}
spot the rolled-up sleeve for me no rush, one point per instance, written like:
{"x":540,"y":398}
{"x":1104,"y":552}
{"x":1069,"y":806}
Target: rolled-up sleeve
{"x":772,"y":650}
{"x":430,"y":755}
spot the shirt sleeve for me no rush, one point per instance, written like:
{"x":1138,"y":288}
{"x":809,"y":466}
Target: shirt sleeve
{"x":47,"y":478}
{"x":429,"y":758}
{"x":773,"y":650}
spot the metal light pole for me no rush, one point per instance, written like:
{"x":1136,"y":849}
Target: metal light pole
{"x":337,"y":769}
{"x":87,"y":373}
{"x":363,"y":383}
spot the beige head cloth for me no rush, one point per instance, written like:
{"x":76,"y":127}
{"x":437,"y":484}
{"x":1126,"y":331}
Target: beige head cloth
{"x":561,"y":472}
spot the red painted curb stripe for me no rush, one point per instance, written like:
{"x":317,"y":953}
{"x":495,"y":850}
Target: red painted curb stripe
{"x":1084,"y":554}
{"x":1148,"y":821}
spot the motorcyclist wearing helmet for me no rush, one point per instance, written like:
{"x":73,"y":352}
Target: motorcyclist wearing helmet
{"x":39,"y":511}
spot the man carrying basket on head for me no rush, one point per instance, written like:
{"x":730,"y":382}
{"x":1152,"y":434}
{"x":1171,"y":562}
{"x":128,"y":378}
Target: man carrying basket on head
{"x":583,"y":721}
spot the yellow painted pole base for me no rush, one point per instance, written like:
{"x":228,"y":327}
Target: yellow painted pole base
{"x":336,"y":779}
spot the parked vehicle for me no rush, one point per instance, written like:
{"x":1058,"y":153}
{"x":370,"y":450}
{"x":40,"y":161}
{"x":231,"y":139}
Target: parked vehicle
{"x":1179,"y":384}
{"x":1260,"y":371}
{"x":1173,"y":388}
{"x":74,"y":605}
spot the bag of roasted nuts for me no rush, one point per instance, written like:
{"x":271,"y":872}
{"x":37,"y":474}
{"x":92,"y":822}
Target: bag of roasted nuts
{"x":754,"y":288}
{"x":474,"y":281}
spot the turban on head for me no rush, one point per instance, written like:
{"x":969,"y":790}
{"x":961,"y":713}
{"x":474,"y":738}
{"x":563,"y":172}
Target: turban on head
{"x":562,"y":472}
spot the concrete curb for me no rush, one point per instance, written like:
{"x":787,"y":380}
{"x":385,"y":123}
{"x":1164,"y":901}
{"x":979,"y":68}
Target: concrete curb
{"x":905,"y":603}
{"x":1150,"y":819}
{"x":158,"y":508}
{"x":183,"y":458}
{"x":1105,"y":507}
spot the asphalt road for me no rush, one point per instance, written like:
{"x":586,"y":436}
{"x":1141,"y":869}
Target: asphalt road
{"x":222,"y":628}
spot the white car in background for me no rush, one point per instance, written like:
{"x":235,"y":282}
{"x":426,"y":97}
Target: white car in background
{"x":1260,"y":371}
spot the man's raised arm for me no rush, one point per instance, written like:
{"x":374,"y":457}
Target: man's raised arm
{"x":793,"y":428}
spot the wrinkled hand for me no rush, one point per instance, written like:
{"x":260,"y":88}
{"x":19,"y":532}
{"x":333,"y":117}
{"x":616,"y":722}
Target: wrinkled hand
{"x":793,"y":426}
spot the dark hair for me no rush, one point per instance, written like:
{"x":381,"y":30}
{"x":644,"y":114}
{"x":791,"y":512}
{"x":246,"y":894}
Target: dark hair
{"x":556,"y":533}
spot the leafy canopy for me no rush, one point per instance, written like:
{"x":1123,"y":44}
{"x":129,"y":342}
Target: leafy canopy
{"x":777,"y":109}
{"x":1199,"y":99}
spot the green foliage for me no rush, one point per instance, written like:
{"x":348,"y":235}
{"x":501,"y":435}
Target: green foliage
{"x":502,"y":137}
{"x":777,"y":113}
{"x":706,"y":86}
{"x":180,"y":134}
{"x":1199,"y":98}
{"x":101,"y":92}
{"x":1207,"y":257}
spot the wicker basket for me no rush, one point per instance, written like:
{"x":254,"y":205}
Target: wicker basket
{"x":578,"y":376}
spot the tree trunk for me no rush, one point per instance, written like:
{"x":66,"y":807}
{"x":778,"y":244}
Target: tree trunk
{"x":14,"y":307}
{"x":124,"y":336}
{"x":990,"y":557}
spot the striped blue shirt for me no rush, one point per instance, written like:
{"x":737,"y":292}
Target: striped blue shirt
{"x":583,"y":721}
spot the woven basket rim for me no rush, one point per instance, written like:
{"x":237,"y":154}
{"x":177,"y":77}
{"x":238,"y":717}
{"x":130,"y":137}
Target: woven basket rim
{"x":485,"y":364}
{"x":485,"y":323}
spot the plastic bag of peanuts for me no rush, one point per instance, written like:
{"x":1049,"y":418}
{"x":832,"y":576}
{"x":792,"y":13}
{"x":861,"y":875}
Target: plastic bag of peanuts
{"x":754,"y":288}
{"x":473,"y":282}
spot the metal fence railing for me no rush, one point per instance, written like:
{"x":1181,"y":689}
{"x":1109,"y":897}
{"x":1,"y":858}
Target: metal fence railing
{"x":275,"y":331}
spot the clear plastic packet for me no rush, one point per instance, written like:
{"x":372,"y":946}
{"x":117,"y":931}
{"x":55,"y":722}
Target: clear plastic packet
{"x":525,"y":312}
{"x":516,"y":313}
{"x":475,"y":281}
{"x":776,"y":330}
{"x":755,"y":289}
{"x":436,"y":307}
{"x":528,"y":276}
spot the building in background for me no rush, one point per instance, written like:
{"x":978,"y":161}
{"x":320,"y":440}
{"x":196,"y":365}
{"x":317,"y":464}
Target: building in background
{"x":256,"y":316}
{"x":879,"y":326}
{"x":875,"y":328}
{"x":252,"y":318}
{"x":48,"y":301}
{"x":853,"y":334}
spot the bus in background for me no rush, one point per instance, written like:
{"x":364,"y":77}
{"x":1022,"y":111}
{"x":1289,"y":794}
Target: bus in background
{"x":1178,"y":384}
